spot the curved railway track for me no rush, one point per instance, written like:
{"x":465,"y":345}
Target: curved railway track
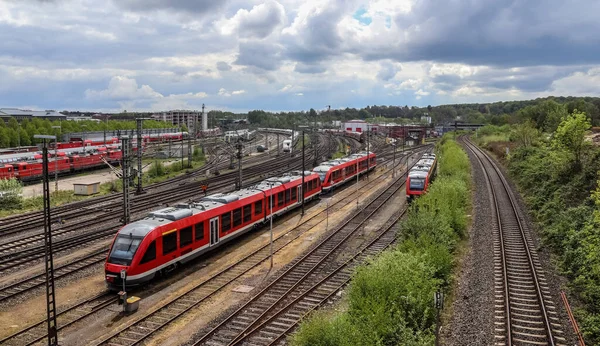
{"x":160,"y":317}
{"x":525,"y":313}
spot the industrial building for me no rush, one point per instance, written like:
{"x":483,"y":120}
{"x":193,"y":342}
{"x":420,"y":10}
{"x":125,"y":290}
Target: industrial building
{"x":26,"y":114}
{"x":183,"y":117}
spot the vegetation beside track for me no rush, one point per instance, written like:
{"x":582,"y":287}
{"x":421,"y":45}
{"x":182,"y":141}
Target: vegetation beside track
{"x":558,"y":176}
{"x":390,"y":300}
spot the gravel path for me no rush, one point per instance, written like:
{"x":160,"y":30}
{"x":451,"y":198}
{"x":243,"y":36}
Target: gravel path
{"x":472,"y":320}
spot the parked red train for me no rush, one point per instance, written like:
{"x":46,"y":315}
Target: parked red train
{"x":32,"y":170}
{"x":421,"y":176}
{"x":339,"y":171}
{"x":175,"y":235}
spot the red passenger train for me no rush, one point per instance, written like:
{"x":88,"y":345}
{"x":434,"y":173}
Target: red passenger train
{"x":421,"y":176}
{"x":32,"y":170}
{"x":175,"y":235}
{"x":337,"y":172}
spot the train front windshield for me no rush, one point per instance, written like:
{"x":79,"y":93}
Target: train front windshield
{"x":417,"y":184}
{"x":123,"y":250}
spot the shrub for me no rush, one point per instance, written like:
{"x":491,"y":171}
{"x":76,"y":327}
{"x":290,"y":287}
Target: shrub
{"x":157,"y":169}
{"x":10,"y":194}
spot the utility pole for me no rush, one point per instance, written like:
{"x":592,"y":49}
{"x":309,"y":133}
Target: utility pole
{"x":105,"y":127}
{"x":368,"y":153}
{"x":56,"y":161}
{"x":278,"y":144}
{"x":314,"y":144}
{"x":239,"y":156}
{"x":49,"y":263}
{"x":303,"y":168}
{"x":189,"y":141}
{"x":182,"y":153}
{"x":394,"y":164}
{"x":139,"y":189}
{"x":125,"y":176}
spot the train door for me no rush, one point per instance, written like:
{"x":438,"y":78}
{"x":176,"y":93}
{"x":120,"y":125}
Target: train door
{"x":214,"y":231}
{"x":299,"y":194}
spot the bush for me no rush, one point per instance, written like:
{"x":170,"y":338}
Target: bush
{"x":157,"y":169}
{"x":11,"y":194}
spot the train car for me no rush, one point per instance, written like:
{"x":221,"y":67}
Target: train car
{"x":175,"y":235}
{"x":287,"y":146}
{"x":421,"y":176}
{"x":336,"y":172}
{"x":6,"y":171}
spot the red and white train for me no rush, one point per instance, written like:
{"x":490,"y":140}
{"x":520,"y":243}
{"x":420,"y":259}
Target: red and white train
{"x":175,"y":235}
{"x":337,"y":172}
{"x":32,"y":169}
{"x":421,"y":176}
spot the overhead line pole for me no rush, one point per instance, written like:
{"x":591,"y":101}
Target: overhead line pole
{"x":49,"y":262}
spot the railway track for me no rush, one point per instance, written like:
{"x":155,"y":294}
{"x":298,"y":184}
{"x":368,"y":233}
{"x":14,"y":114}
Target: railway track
{"x":36,"y":332}
{"x":227,"y":275}
{"x":525,"y":312}
{"x":318,"y":265}
{"x":286,"y":313}
{"x":142,"y":329}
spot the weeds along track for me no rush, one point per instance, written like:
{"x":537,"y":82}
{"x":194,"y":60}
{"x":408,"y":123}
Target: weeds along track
{"x":334,"y":244}
{"x":525,"y":313}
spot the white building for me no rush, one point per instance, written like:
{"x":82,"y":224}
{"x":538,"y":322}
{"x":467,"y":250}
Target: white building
{"x":359,"y":126}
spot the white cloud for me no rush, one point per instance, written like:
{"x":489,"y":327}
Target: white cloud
{"x":123,"y":88}
{"x":299,"y":94}
{"x":238,"y":92}
{"x":259,"y":22}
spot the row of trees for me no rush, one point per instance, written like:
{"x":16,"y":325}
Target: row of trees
{"x":544,"y":112}
{"x":13,"y":133}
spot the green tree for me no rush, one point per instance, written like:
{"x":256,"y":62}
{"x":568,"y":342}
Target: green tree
{"x":525,"y":134}
{"x":570,"y":134}
{"x":13,"y":123}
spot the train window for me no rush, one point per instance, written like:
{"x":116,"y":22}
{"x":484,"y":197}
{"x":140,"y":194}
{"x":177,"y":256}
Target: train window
{"x":185,"y":237}
{"x":288,"y":193}
{"x":225,"y":222}
{"x":123,"y":250}
{"x":294,"y":193}
{"x":305,"y":187}
{"x":150,"y":254}
{"x":237,"y":217}
{"x":247,"y":212}
{"x":199,"y":231}
{"x":258,"y":208}
{"x":280,"y":199}
{"x":169,"y":243}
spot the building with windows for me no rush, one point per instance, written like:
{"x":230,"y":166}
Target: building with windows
{"x":178,"y":117}
{"x":22,"y":114}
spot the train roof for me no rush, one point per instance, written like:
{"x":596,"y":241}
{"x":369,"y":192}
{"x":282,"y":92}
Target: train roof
{"x":417,"y":174}
{"x":182,"y":210}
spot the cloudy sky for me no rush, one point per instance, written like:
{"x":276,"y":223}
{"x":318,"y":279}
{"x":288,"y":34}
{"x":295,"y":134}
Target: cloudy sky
{"x":293,"y":54}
